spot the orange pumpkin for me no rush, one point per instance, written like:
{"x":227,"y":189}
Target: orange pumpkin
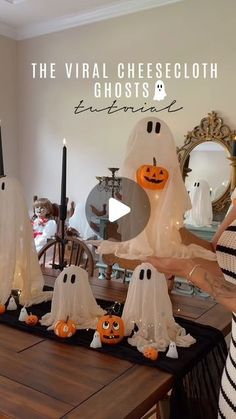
{"x":151,"y":353}
{"x":65,"y":329}
{"x":32,"y":320}
{"x":152,"y":177}
{"x":111,"y":329}
{"x":2,"y":308}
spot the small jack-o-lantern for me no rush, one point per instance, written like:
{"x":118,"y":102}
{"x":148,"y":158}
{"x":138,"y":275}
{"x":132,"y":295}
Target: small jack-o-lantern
{"x":152,"y":177}
{"x":111,"y":329}
{"x":65,"y":329}
{"x":151,"y":353}
{"x":31,"y":320}
{"x":2,"y":308}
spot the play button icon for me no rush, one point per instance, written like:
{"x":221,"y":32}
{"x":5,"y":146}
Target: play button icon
{"x":117,"y":209}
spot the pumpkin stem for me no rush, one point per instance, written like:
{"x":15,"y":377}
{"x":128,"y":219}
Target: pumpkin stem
{"x":154,"y":161}
{"x":67,"y":319}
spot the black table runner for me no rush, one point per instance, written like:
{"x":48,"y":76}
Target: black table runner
{"x":197,"y":372}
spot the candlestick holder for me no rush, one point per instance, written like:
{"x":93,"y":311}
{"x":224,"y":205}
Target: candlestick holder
{"x":1,"y":154}
{"x":62,"y":263}
{"x":60,"y":241}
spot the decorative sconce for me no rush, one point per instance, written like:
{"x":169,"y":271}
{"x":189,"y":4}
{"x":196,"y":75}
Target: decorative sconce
{"x":111,"y":183}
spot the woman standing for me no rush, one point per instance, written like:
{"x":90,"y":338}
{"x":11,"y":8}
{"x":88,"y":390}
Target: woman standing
{"x":221,"y":284}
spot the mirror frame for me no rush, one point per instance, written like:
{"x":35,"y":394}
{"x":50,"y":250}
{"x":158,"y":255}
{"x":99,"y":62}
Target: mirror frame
{"x":211,"y":128}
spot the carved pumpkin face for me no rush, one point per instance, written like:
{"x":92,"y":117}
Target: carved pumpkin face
{"x":31,"y":320}
{"x":151,"y":353}
{"x":65,"y":329}
{"x":111,"y":329}
{"x":152,"y":176}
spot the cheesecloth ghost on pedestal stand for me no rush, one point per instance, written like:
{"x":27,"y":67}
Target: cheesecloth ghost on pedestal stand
{"x":161,"y":235}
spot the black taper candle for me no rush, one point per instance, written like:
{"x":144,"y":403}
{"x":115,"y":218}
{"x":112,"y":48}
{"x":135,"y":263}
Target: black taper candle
{"x":1,"y":154}
{"x":234,"y":146}
{"x":63,"y":206}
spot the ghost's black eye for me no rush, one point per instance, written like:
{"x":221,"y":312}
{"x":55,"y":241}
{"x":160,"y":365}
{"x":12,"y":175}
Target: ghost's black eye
{"x":158,"y":127}
{"x":72,"y":279}
{"x":198,"y":184}
{"x":194,"y":184}
{"x":158,"y":86}
{"x":141,"y":275}
{"x":3,"y":186}
{"x":65,"y":278}
{"x":149,"y":126}
{"x":149,"y":274}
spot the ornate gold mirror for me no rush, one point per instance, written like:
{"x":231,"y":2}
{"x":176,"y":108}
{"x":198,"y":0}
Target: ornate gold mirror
{"x":206,"y":154}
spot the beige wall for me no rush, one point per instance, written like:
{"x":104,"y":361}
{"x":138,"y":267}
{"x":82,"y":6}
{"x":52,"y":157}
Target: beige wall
{"x":189,"y":31}
{"x":8,"y":105}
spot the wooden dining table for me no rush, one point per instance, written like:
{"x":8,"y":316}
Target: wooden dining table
{"x":43,"y":378}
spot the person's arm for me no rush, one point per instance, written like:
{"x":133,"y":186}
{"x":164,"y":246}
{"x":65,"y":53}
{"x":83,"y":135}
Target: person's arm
{"x":188,"y":237}
{"x":223,"y":291}
{"x":231,"y":216}
{"x":215,"y":285}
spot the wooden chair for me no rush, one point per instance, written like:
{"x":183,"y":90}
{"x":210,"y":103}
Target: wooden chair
{"x":76,"y":253}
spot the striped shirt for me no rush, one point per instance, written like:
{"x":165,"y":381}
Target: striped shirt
{"x":226,"y":256}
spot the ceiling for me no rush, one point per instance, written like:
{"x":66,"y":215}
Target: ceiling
{"x":21,"y":19}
